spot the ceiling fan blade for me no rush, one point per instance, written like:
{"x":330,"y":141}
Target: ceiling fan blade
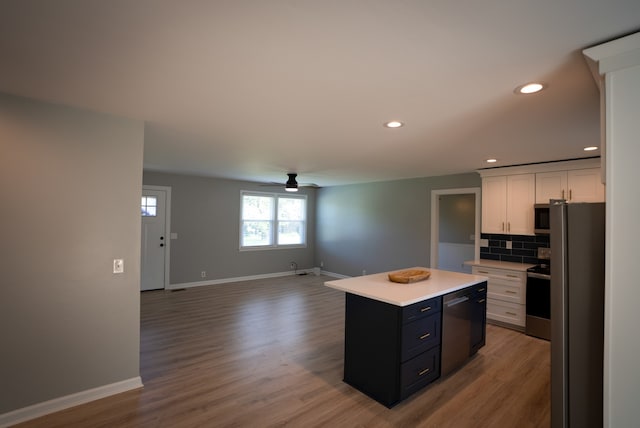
{"x":291,"y":183}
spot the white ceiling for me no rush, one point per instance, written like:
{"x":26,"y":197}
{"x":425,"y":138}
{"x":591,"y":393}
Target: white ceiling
{"x":252,"y":89}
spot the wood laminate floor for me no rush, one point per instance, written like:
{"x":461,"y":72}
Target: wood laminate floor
{"x":269,"y":353}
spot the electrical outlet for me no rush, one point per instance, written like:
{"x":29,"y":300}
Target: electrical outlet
{"x":364,"y":272}
{"x":544,"y":253}
{"x":118,"y":265}
{"x":292,"y":265}
{"x":509,"y":245}
{"x":321,"y":264}
{"x":203,"y":274}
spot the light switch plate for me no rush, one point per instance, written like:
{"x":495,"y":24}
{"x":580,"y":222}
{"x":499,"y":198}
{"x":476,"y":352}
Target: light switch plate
{"x":484,"y":242}
{"x":118,"y":265}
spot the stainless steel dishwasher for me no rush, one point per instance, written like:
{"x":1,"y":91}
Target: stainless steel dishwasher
{"x":456,"y":330}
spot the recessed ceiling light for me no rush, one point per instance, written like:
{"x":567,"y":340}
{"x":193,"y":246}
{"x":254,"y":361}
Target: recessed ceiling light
{"x":530,"y":88}
{"x":394,"y":124}
{"x":492,"y":160}
{"x":590,"y":148}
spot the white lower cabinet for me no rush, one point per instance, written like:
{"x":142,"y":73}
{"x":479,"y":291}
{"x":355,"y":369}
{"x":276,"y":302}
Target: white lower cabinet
{"x":506,"y":295}
{"x":505,"y":312}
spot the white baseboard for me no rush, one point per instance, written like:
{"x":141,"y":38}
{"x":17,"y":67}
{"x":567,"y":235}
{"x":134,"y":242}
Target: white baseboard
{"x":335,"y":275}
{"x":235,"y":279}
{"x":61,"y":403}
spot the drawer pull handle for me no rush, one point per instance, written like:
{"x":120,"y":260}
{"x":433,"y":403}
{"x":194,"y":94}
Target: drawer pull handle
{"x":513,"y":276}
{"x":481,"y":301}
{"x":424,"y":336}
{"x":482,"y":271}
{"x":428,"y":308}
{"x":480,"y":289}
{"x":511,"y":313}
{"x":510,"y":292}
{"x":423,"y":372}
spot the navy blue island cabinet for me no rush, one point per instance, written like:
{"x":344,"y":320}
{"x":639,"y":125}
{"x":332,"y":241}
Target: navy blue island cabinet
{"x":392,"y":351}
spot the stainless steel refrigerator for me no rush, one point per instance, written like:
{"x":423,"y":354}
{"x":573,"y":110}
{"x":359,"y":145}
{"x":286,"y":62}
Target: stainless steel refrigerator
{"x":577,"y":313}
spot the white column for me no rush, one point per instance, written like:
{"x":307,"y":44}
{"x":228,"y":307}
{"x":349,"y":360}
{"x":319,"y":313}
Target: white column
{"x":619,"y":62}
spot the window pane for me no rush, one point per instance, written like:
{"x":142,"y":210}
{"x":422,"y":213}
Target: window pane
{"x":291,"y":208}
{"x":256,"y":233}
{"x":149,"y":206}
{"x":290,"y":232}
{"x":257,"y":207}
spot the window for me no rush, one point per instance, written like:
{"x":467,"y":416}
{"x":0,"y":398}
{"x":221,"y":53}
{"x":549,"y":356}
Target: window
{"x":271,"y":220}
{"x":149,"y":205}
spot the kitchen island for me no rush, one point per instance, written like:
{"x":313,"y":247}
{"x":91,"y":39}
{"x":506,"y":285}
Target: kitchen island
{"x":401,"y":337}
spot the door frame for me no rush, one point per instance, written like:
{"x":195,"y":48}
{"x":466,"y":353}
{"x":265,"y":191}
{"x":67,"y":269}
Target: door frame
{"x":435,"y":220}
{"x":167,"y":229}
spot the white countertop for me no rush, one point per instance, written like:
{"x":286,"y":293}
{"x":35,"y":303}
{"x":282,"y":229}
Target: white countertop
{"x":520,"y":267}
{"x":378,"y":286}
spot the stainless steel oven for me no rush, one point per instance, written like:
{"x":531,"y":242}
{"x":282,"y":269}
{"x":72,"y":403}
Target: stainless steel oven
{"x":538,"y":308}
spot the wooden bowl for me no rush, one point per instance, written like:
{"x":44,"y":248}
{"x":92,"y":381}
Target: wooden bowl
{"x":408,"y":276}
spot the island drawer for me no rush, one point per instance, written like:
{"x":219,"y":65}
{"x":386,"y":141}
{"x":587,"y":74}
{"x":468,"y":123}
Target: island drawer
{"x":421,"y":309}
{"x":420,"y":335}
{"x":419,"y":371}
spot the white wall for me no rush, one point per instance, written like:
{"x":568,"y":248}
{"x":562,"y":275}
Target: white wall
{"x":205,"y":214}
{"x":70,"y":185}
{"x":623,"y":283}
{"x":619,"y":62}
{"x":380,"y":226}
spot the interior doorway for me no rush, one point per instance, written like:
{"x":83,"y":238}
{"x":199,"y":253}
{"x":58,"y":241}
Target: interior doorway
{"x":462,"y":242}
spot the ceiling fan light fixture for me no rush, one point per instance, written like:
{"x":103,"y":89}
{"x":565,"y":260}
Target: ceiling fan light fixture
{"x":291,"y":185}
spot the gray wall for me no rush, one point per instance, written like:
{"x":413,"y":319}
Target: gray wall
{"x":205,"y":213}
{"x":457,"y":218}
{"x":379,"y":226}
{"x":70,"y":203}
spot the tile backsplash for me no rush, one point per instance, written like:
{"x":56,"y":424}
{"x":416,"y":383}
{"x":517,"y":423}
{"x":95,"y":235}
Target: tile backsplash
{"x":524,"y":248}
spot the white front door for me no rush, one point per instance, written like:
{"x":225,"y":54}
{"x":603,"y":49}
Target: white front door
{"x":154,"y":240}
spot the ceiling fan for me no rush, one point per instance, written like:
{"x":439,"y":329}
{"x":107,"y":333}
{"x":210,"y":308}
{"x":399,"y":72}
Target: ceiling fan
{"x":292,"y":184}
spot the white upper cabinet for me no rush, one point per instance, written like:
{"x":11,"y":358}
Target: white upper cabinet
{"x":550,"y":185}
{"x":579,"y":185}
{"x":509,"y":193}
{"x":521,"y":194}
{"x":494,"y":204}
{"x":507,"y":204}
{"x":585,"y":185}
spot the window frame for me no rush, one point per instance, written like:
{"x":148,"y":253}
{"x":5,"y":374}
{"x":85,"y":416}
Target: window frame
{"x":274,"y":221}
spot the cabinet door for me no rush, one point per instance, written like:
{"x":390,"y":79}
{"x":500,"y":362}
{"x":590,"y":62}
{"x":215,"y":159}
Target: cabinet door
{"x":494,"y":204}
{"x":521,"y":194}
{"x":551,"y":185}
{"x":585,"y":185}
